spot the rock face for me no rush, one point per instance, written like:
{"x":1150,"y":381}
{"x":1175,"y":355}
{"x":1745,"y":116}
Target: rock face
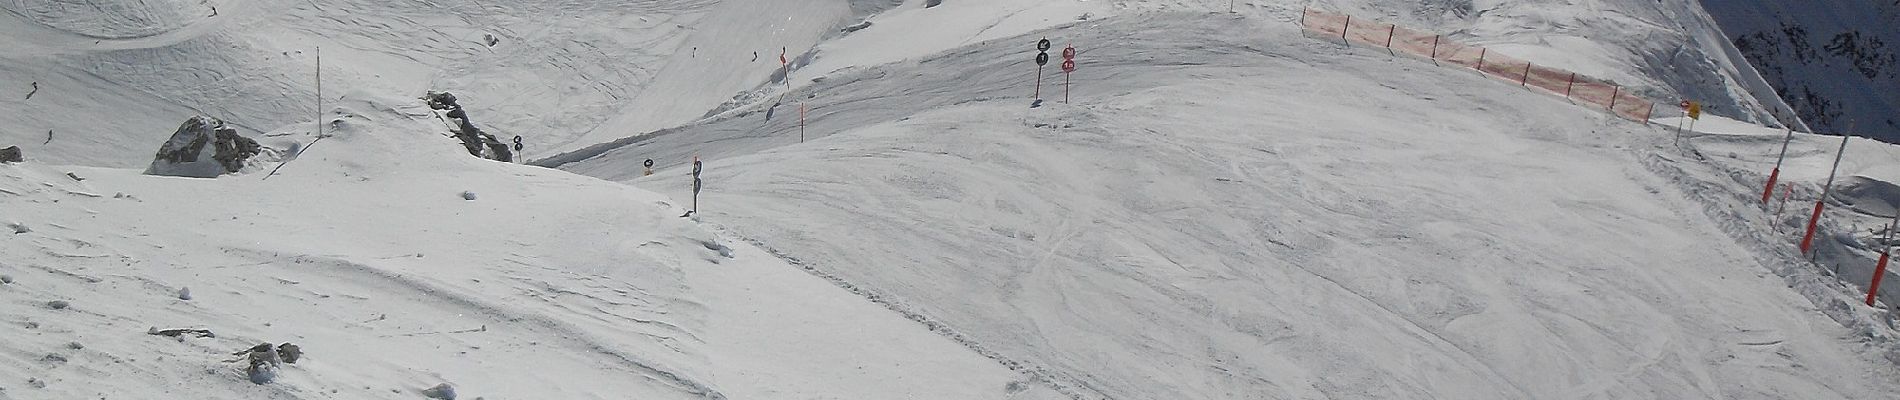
{"x":11,"y":154}
{"x":477,"y":143}
{"x":203,"y":148}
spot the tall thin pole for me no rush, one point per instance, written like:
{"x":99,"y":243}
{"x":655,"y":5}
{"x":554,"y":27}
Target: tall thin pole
{"x":1775,"y":174}
{"x":1807,"y":239}
{"x":319,"y":91}
{"x":1880,"y":268}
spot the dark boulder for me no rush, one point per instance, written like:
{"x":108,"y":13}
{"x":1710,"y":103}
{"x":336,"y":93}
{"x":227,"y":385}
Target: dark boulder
{"x":203,"y":148}
{"x":11,"y":154}
{"x":477,"y":143}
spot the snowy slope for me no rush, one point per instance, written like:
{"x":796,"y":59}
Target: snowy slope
{"x":366,"y":253}
{"x":111,"y":74}
{"x":1231,"y":210}
{"x":1836,"y":60}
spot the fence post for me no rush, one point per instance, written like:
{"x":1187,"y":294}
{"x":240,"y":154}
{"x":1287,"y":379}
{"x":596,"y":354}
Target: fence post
{"x":1343,"y":29}
{"x":1389,"y":33}
{"x":1526,"y":81}
{"x":1435,"y":48}
{"x":1481,"y":51}
{"x":1303,"y":11}
{"x":1568,"y":86}
{"x":1613,"y":92}
{"x":1652,"y":112}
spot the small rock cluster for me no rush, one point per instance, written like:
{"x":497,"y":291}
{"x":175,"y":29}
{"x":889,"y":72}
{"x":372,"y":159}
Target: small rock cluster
{"x":203,"y":148}
{"x":478,"y":144}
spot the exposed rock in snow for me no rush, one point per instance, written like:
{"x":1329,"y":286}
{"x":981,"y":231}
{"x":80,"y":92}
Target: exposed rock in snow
{"x":478,"y":144}
{"x":203,"y":148}
{"x":11,"y":154}
{"x":440,"y":391}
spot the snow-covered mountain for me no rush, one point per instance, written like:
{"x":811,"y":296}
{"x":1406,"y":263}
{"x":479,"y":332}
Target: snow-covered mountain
{"x":1226,"y":207}
{"x":1838,"y":62}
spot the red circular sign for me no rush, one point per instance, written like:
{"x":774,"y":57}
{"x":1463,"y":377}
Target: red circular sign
{"x":1685,"y":104}
{"x":1068,"y":65}
{"x":1068,"y":53}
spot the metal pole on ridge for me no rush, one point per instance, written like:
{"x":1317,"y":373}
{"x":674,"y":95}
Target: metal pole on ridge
{"x":1526,"y":81}
{"x":1435,"y":48}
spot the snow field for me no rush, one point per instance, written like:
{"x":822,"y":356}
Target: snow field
{"x":1190,"y":228}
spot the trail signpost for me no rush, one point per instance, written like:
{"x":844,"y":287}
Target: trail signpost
{"x":1042,"y":58}
{"x":1068,"y":66}
{"x":518,"y":155}
{"x":696,"y":185}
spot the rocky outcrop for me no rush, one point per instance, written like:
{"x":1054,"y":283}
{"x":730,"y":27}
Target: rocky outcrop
{"x":11,"y":154}
{"x":477,"y":143}
{"x":203,"y":148}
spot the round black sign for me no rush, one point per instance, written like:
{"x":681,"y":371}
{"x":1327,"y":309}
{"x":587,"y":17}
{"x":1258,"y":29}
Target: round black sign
{"x":1042,"y":45}
{"x":649,"y":163}
{"x":1042,"y":59}
{"x":696,"y":168}
{"x":517,"y":142}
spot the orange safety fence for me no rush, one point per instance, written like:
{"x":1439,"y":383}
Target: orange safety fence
{"x":1399,"y":40}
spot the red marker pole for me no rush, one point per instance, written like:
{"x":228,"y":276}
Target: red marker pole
{"x":1389,"y":32}
{"x":1880,"y":268}
{"x":1435,"y":48}
{"x":801,"y":122}
{"x":1769,"y":190}
{"x":1807,"y":239}
{"x":1526,"y":80}
{"x":1481,"y":51}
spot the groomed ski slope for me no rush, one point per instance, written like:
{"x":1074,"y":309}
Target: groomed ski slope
{"x":1231,"y":210}
{"x":364,"y":252}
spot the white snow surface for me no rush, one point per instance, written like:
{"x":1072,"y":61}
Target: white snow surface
{"x":1231,"y":210}
{"x":364,"y":253}
{"x":1227,"y":209}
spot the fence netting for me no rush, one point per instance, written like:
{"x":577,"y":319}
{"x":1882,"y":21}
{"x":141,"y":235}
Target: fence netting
{"x":1578,"y":88}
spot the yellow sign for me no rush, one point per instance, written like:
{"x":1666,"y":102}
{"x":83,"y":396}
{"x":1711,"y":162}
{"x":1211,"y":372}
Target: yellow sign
{"x":1695,"y":110}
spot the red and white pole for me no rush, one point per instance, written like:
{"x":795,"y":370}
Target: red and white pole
{"x":1769,"y":190}
{"x":1880,"y":268}
{"x":1807,"y":239}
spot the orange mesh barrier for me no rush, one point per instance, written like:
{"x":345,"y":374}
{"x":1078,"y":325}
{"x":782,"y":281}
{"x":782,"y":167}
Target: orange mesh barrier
{"x":1581,"y":89}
